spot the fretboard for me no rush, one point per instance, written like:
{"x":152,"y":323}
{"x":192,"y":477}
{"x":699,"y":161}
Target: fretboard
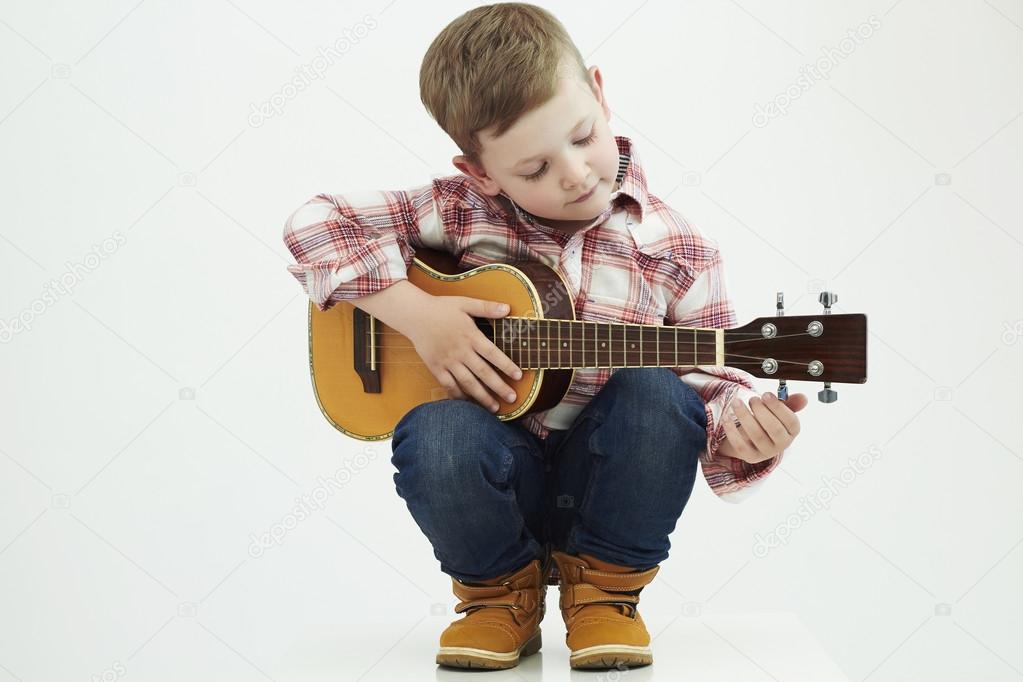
{"x":565,"y":344}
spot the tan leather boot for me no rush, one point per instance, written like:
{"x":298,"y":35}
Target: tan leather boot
{"x":599,"y":606}
{"x":502,"y":621}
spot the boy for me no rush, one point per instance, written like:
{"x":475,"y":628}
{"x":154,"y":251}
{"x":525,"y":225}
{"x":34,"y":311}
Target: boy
{"x":588,"y":490}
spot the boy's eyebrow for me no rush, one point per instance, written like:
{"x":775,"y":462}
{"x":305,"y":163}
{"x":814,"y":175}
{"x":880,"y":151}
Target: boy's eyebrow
{"x":574,"y":128}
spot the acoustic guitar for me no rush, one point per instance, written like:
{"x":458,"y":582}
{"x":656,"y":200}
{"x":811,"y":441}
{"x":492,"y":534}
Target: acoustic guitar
{"x":366,"y":375}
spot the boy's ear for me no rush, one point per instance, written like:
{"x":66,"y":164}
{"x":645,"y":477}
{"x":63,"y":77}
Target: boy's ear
{"x":597,"y":88}
{"x":486,"y":183}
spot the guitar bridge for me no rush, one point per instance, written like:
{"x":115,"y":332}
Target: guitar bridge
{"x":367,"y":336}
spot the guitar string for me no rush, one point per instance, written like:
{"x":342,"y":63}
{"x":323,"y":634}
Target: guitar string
{"x":711,"y":342}
{"x":751,"y":359}
{"x":643,"y":353}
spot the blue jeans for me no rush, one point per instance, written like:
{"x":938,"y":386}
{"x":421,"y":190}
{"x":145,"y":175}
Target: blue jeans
{"x":491,"y":496}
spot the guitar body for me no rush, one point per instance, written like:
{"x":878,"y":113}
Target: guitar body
{"x":366,"y":376}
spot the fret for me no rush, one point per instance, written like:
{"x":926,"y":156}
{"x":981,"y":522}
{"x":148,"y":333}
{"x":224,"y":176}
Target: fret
{"x":528,"y":344}
{"x":611,"y":362}
{"x":538,"y":347}
{"x":657,"y":344}
{"x":631,"y":345}
{"x":513,"y":341}
{"x":548,"y":342}
{"x":535,"y":344}
{"x":509,"y":345}
{"x":524,"y":340}
{"x":593,"y":360}
{"x":524,"y":343}
{"x":642,"y":356}
{"x":625,"y":348}
{"x":561,"y":362}
{"x":621,"y":330}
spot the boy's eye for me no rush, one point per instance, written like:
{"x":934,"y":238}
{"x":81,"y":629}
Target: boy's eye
{"x":543,"y":169}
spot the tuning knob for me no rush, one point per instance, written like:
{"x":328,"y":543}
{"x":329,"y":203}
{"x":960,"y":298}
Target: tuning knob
{"x":779,"y":309}
{"x":827,"y":394}
{"x":827,"y":299}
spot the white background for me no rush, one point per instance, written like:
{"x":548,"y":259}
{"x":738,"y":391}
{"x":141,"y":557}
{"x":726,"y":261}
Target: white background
{"x":158,"y":414}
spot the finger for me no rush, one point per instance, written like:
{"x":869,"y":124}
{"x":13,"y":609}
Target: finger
{"x":492,"y":379}
{"x":740,"y":445}
{"x":497,"y":358}
{"x":783,"y":413}
{"x":769,"y":422}
{"x":474,"y":388}
{"x":450,"y":386}
{"x":797,"y":401}
{"x":750,"y":426}
{"x":483,"y":308}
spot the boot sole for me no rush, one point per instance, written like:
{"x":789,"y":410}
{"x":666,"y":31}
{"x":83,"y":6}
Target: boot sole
{"x":607,"y":656}
{"x":467,"y":657}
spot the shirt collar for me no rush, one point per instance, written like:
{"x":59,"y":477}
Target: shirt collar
{"x":631,"y":193}
{"x":633,"y":184}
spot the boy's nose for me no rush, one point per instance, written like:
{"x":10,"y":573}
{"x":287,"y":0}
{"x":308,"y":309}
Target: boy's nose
{"x":576,"y":180}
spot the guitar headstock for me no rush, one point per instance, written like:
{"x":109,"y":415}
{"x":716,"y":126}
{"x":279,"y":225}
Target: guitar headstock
{"x":825,"y":347}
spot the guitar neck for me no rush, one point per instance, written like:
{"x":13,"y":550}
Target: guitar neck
{"x":537,"y":343}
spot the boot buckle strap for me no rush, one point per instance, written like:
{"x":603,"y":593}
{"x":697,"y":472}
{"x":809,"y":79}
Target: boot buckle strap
{"x":465,"y":605}
{"x":617,"y":582}
{"x":584,"y":593}
{"x":519,"y":600}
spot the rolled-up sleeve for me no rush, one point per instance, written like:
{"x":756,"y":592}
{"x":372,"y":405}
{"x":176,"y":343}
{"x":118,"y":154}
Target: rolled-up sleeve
{"x":705,"y":303}
{"x":354,"y":244}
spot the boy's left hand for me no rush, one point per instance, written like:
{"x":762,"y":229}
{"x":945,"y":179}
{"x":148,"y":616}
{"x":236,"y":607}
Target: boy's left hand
{"x":766,"y":431}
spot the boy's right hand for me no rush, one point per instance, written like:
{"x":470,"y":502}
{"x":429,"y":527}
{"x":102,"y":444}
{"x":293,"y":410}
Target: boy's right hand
{"x":456,"y":351}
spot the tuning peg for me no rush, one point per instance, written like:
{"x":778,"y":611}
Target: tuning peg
{"x":828,"y":298}
{"x":783,"y":390}
{"x":779,"y":306}
{"x":827,"y":394}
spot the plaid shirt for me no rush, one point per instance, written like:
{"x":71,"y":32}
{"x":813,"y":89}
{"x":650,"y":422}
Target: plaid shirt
{"x":638,"y":262}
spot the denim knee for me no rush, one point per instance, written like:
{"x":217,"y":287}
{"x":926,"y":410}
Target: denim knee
{"x":650,"y":413}
{"x":442,"y":447}
{"x":657,"y":387}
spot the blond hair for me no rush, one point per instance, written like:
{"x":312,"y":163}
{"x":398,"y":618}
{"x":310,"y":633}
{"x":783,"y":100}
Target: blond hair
{"x":490,"y":66}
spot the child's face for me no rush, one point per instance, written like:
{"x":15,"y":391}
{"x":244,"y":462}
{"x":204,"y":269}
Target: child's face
{"x":545,"y":162}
